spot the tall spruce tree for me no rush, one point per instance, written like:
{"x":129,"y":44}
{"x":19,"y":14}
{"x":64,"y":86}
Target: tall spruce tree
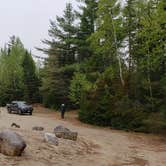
{"x":61,"y":52}
{"x":63,"y":33}
{"x":86,"y":28}
{"x":30,"y":79}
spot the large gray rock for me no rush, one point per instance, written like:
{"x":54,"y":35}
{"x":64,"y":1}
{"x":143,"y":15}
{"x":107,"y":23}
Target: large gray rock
{"x":65,"y":133}
{"x":11,"y":143}
{"x":51,"y":138}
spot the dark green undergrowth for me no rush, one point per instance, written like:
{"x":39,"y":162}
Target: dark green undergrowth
{"x":100,"y":108}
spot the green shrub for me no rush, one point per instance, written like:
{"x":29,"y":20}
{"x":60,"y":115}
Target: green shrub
{"x":78,"y":84}
{"x":155,"y":123}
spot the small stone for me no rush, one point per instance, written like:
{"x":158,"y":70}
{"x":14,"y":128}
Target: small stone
{"x":38,"y":128}
{"x":51,"y":138}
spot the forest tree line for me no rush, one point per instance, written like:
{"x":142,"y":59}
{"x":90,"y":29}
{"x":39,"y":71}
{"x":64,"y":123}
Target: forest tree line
{"x":108,"y":60}
{"x":19,"y":79}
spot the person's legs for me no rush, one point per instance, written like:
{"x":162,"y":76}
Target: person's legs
{"x":62,"y":114}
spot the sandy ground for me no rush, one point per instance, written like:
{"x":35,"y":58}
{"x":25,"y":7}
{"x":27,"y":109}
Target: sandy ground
{"x":95,"y":146}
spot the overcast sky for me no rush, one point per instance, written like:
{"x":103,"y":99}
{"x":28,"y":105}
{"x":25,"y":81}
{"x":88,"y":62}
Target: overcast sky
{"x":28,"y":19}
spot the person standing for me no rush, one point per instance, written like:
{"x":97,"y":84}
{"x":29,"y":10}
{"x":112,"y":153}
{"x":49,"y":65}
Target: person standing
{"x":63,"y":110}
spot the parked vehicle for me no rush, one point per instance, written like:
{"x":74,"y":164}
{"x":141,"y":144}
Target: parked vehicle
{"x":19,"y":107}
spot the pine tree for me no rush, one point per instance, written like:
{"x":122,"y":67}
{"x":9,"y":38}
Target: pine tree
{"x":86,"y":28}
{"x":63,"y":33}
{"x":61,"y":52}
{"x":30,"y":79}
{"x":54,"y":89}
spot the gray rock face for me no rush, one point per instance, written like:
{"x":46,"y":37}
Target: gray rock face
{"x":38,"y":128}
{"x":51,"y":138}
{"x":11,"y":143}
{"x":65,"y":133}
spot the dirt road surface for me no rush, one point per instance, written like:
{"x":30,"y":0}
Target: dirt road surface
{"x":95,"y":146}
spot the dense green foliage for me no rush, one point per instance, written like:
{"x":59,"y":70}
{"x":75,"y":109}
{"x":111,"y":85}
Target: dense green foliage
{"x":30,"y":79}
{"x":117,"y":75}
{"x":78,"y":84}
{"x":18,"y":79}
{"x":86,"y":28}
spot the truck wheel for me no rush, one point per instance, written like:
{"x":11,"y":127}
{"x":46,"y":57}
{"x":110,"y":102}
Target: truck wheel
{"x":9,"y":111}
{"x":19,"y":112}
{"x":30,"y":113}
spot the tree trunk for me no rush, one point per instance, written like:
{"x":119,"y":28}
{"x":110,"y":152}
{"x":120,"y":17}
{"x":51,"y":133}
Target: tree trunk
{"x":117,"y":54}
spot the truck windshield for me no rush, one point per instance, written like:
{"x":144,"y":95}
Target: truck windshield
{"x":22,"y":104}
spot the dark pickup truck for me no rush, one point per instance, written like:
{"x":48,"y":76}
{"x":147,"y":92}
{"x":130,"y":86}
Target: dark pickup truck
{"x":19,"y":107}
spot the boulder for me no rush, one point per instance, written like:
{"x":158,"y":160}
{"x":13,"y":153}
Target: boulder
{"x":11,"y":143}
{"x":65,"y":133}
{"x":38,"y":128}
{"x":61,"y":129}
{"x":51,"y":138}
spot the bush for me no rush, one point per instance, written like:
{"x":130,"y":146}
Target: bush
{"x":97,"y":109}
{"x":108,"y":105}
{"x":105,"y":107}
{"x":96,"y":103}
{"x":78,"y":84}
{"x":92,"y":111}
{"x":155,"y":123}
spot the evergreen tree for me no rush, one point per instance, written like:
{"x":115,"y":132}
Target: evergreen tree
{"x":86,"y":28}
{"x":63,"y":33}
{"x":53,"y":88}
{"x":16,"y":73}
{"x":62,"y":52}
{"x":30,"y":79}
{"x":11,"y":85}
